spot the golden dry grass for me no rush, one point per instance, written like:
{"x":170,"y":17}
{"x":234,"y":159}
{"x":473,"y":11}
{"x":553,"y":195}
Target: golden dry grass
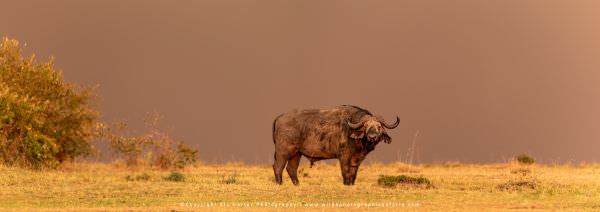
{"x":99,"y":187}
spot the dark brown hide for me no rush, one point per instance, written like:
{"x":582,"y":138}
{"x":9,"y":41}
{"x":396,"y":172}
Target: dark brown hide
{"x":325,"y":134}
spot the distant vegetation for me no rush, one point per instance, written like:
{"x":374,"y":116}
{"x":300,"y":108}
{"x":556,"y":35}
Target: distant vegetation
{"x":525,"y":159}
{"x":154,"y":148}
{"x":45,"y":121}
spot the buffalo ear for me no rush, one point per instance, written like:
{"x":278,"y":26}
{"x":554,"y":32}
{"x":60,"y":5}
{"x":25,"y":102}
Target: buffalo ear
{"x":386,"y":138}
{"x":357,"y":134}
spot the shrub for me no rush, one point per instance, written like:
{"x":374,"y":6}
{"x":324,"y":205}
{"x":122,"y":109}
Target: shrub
{"x":129,"y":148}
{"x":231,"y":179}
{"x":43,"y":120}
{"x":391,"y":181}
{"x":175,"y":177}
{"x":161,"y":150}
{"x":525,"y":159}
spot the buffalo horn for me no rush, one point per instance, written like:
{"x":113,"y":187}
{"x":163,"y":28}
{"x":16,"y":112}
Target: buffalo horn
{"x":390,"y":126}
{"x":354,"y":125}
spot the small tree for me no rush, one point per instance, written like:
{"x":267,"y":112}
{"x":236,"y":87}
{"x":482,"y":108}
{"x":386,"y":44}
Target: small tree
{"x":130,"y":148}
{"x":43,"y":120}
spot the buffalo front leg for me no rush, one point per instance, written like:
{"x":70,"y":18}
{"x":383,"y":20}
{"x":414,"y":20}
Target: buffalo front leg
{"x":292,"y":168}
{"x":345,"y":166}
{"x":353,"y":172}
{"x":354,"y":164}
{"x":280,"y":161}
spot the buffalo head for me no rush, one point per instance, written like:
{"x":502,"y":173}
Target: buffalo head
{"x":373,"y":128}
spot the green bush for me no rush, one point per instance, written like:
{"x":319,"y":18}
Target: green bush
{"x":175,"y":177}
{"x":391,"y":181}
{"x":525,"y":159}
{"x":43,"y":120}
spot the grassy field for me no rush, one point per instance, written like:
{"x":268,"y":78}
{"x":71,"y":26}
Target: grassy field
{"x":238,"y":186}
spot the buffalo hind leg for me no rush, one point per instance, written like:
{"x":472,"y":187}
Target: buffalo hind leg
{"x":278,"y":165}
{"x":292,"y":168}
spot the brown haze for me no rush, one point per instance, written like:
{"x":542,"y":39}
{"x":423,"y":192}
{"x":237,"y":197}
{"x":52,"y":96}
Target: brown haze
{"x":481,"y":80}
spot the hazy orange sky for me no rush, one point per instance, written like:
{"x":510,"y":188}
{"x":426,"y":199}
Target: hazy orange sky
{"x":481,"y":80}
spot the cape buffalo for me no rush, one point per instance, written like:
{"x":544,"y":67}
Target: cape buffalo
{"x":346,"y":132}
